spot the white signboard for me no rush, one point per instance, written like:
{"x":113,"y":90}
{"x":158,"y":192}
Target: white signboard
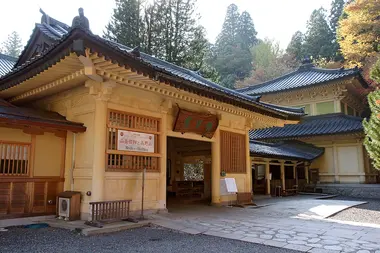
{"x":134,"y":141}
{"x":228,"y":186}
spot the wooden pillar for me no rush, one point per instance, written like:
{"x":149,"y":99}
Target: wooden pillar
{"x":267,"y":177}
{"x":163,"y":161}
{"x":306,"y":165}
{"x":336,"y":164}
{"x":102,"y":93}
{"x":99,"y":160}
{"x":295,"y":173}
{"x":249,"y":165}
{"x":215,"y":169}
{"x":282,"y":168}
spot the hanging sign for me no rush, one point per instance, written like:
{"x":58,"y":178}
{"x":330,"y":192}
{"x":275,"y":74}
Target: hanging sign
{"x":228,"y":186}
{"x":199,"y":123}
{"x":134,"y":141}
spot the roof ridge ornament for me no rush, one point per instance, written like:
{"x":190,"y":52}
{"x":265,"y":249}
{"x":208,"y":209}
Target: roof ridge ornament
{"x":45,"y":17}
{"x":80,"y":21}
{"x":307,"y":63}
{"x":135,"y":51}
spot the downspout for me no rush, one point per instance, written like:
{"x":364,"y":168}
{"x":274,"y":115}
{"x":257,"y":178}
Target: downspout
{"x":72,"y":163}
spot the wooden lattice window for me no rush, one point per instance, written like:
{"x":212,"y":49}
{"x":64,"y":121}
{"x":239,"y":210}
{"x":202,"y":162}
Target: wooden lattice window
{"x":118,"y":159}
{"x":233,"y":152}
{"x":14,"y":158}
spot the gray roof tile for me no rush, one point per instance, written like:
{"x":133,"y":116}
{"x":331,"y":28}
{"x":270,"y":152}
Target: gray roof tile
{"x":304,"y":76}
{"x":292,"y":150}
{"x":6,"y":63}
{"x":328,"y":124}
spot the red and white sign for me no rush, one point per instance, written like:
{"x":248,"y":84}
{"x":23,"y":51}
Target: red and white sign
{"x":134,"y":141}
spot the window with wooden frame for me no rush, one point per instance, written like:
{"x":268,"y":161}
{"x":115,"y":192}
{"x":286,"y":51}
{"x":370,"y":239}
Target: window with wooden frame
{"x":14,"y":158}
{"x":233,"y":152}
{"x":138,"y":152}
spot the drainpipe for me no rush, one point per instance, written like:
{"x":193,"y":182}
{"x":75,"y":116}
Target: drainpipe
{"x":72,"y":164}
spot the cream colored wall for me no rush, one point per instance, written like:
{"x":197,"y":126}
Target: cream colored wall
{"x":9,"y":134}
{"x":49,"y":152}
{"x":342,"y":161}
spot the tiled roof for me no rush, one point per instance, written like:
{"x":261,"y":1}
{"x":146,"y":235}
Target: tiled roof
{"x":6,"y":63}
{"x":291,"y":150}
{"x":328,"y":124}
{"x":306,"y":75}
{"x":182,"y":74}
{"x":27,"y":116}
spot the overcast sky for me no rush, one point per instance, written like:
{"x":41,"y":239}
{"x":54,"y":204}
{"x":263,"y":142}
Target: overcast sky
{"x":274,"y":19}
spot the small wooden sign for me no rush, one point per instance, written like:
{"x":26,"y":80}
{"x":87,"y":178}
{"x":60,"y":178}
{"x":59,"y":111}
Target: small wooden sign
{"x":199,"y":123}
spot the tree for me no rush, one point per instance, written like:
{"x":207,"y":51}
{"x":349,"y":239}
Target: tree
{"x":269,"y":62}
{"x":372,"y":126}
{"x":336,"y":12}
{"x":126,"y":23}
{"x":319,"y":38}
{"x":359,"y":31}
{"x":295,"y":47}
{"x":246,"y":30}
{"x":13,"y":45}
{"x":233,"y":60}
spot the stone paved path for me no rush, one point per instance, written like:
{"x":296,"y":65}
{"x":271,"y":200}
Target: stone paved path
{"x":288,"y":228}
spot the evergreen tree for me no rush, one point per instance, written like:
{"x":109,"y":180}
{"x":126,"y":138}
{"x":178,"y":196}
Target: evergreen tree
{"x":13,"y":45}
{"x":319,"y":38}
{"x":336,"y":13}
{"x":233,"y":59}
{"x":359,"y":31}
{"x":372,"y":126}
{"x":295,"y":47}
{"x":126,"y":23}
{"x":246,"y":30}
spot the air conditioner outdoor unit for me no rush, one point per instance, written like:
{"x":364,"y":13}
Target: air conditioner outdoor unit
{"x":68,"y":205}
{"x":64,"y":208}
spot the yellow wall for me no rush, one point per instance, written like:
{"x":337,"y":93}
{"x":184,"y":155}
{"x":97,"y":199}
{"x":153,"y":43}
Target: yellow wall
{"x":9,"y":134}
{"x":48,"y":155}
{"x":342,"y":162}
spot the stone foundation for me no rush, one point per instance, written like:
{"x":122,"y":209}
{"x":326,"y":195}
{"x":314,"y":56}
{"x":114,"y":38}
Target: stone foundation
{"x":371,"y":191}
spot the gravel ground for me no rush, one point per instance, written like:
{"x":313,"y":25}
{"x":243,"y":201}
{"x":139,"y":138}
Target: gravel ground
{"x":150,"y":239}
{"x":368,"y":213}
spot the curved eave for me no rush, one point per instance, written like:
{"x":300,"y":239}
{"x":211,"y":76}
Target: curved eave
{"x":77,"y":40}
{"x":295,"y":137}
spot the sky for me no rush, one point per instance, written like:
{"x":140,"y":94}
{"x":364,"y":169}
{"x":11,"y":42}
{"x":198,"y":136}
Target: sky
{"x":273,"y":19}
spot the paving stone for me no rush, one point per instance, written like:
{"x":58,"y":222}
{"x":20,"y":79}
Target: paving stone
{"x":252,"y":239}
{"x":287,"y":232}
{"x":224,"y":235}
{"x":275,"y":243}
{"x":300,"y":238}
{"x":279,"y":240}
{"x":351,"y":244}
{"x":269,"y":232}
{"x":316,"y":250}
{"x":363,"y":251}
{"x":252,"y":235}
{"x":239,"y":232}
{"x":266,"y":237}
{"x":297,"y":242}
{"x":302,"y":248}
{"x":330,"y":242}
{"x":333,"y":247}
{"x":315,"y":245}
{"x":314,"y":240}
{"x":282,"y":236}
{"x":191,"y":231}
{"x":308,"y":235}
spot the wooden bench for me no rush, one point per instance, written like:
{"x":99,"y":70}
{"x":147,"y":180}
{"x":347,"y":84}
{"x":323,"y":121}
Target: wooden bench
{"x":290,"y":192}
{"x":108,"y":211}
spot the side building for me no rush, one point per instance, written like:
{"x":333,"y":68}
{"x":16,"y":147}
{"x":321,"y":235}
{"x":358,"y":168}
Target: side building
{"x":335,"y":102}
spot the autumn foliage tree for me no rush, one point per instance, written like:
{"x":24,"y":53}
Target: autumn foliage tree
{"x":359,"y":31}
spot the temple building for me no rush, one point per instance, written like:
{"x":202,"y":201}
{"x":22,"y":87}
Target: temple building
{"x":335,"y":103}
{"x":82,"y":113}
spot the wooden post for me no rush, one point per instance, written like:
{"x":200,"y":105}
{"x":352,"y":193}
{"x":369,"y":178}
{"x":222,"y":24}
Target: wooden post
{"x":295,"y":173}
{"x":163,"y":160}
{"x":215,"y":169}
{"x":267,"y":177}
{"x":282,"y":168}
{"x":306,"y":172}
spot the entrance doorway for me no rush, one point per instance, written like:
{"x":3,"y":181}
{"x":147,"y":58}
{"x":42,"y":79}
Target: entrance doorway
{"x":188,"y":172}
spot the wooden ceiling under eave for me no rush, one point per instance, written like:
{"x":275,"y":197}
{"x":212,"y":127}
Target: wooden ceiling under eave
{"x":65,"y":74}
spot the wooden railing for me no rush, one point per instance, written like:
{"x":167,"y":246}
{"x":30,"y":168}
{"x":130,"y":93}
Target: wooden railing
{"x":110,"y":210}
